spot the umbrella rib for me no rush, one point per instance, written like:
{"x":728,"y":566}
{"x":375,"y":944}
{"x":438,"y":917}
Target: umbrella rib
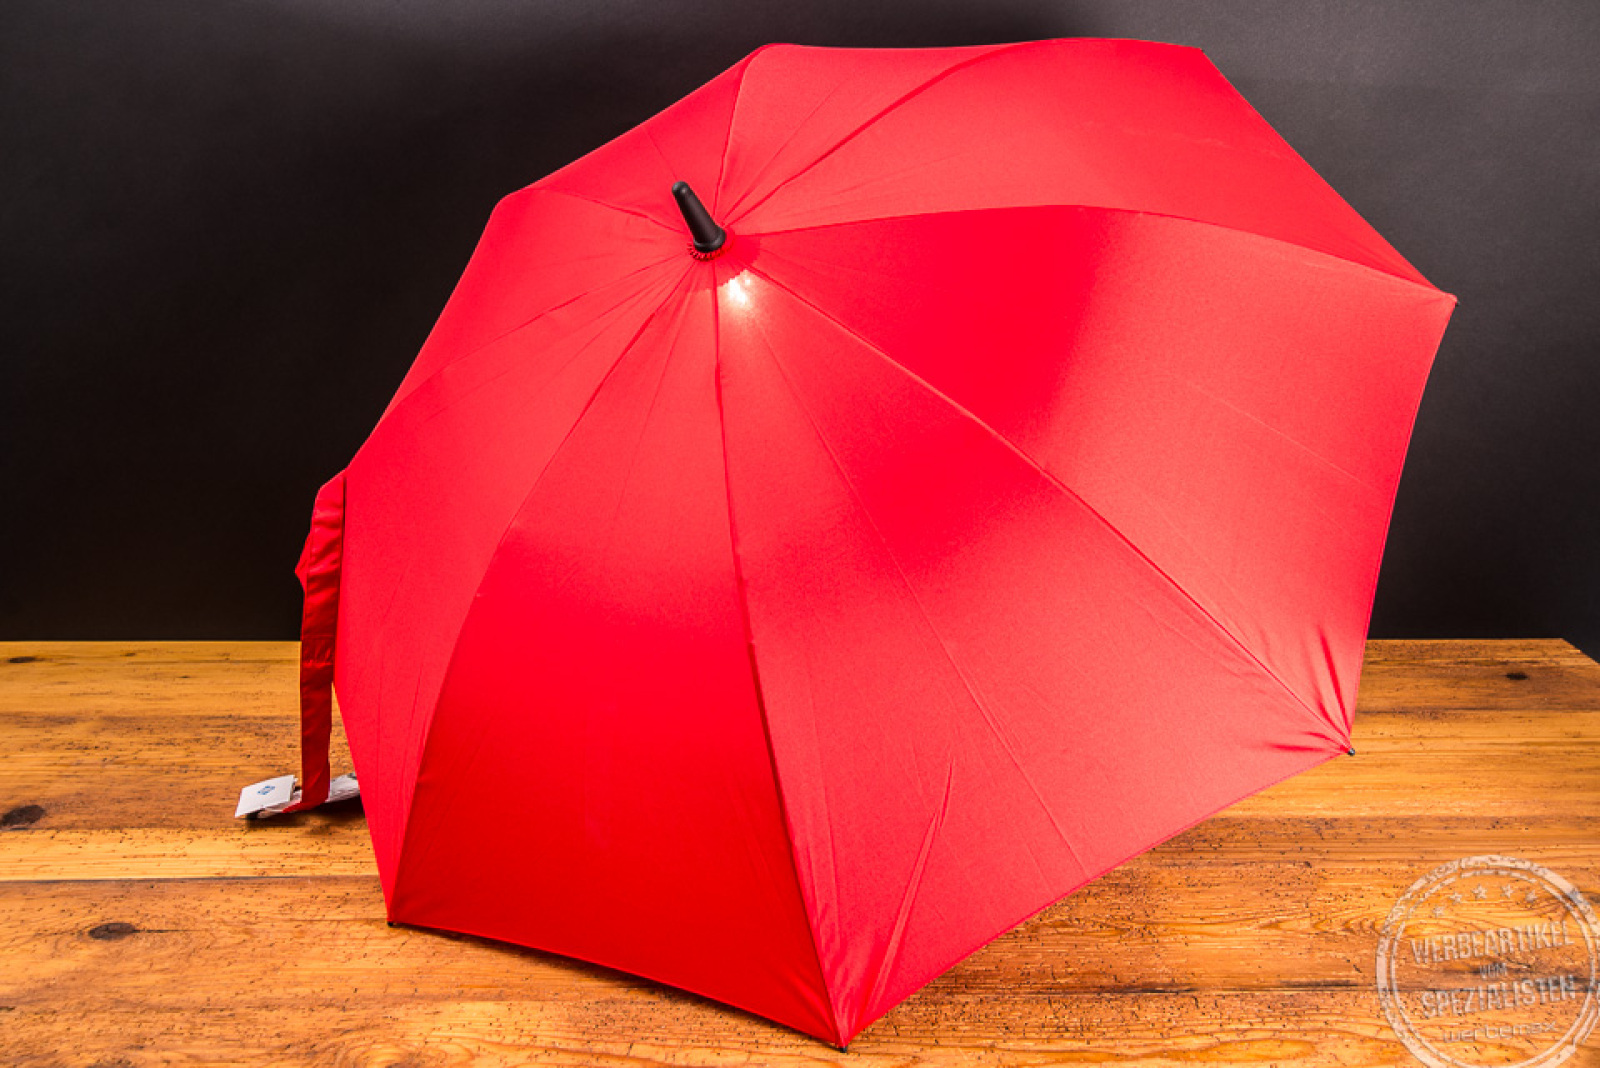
{"x":738,"y":212}
{"x":927,"y":618}
{"x":1424,"y":284}
{"x":755,"y":672}
{"x":733,"y":116}
{"x":908,"y":900}
{"x":500,"y":542}
{"x":601,"y":203}
{"x":887,"y":963}
{"x":794,"y":132}
{"x":1063,"y":488}
{"x":552,"y":309}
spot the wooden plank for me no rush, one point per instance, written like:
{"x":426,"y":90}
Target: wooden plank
{"x":1144,"y":955}
{"x":637,"y":1029}
{"x":319,"y":845}
{"x":337,"y":843}
{"x":100,"y":739}
{"x":108,"y":735}
{"x":140,"y":924}
{"x":125,"y":773}
{"x":127,"y":770}
{"x":1257,"y":925}
{"x":323,"y":843}
{"x":111,"y":950}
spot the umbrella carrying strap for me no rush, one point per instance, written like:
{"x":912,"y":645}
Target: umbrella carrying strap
{"x":318,"y":571}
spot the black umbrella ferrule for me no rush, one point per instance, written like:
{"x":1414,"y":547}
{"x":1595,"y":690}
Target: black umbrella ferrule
{"x":708,"y":236}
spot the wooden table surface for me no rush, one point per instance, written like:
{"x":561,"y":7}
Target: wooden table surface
{"x":141,"y":924}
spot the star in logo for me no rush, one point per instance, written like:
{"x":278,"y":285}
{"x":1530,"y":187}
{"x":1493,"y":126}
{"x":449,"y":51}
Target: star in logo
{"x":1457,"y":898}
{"x":1507,"y":890}
{"x":1532,"y":897}
{"x":1479,"y":892}
{"x":1438,"y":910}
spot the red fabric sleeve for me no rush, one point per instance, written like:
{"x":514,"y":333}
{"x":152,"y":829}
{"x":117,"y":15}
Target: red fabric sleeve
{"x":318,"y":571}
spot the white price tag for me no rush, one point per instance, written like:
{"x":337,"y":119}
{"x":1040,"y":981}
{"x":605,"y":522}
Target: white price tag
{"x":271,"y":796}
{"x":269,"y":793}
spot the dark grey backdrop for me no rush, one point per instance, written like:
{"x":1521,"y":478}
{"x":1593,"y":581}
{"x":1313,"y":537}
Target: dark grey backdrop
{"x":227,"y":226}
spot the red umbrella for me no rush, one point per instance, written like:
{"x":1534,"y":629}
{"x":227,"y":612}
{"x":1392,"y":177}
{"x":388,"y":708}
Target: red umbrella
{"x":995,"y":488}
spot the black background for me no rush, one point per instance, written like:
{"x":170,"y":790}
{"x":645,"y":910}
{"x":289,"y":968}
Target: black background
{"x":226,"y":228}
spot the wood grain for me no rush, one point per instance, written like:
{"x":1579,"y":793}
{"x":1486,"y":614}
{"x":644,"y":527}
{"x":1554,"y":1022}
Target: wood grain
{"x":140,"y":924}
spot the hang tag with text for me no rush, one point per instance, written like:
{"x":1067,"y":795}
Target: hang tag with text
{"x":271,"y":796}
{"x":268,"y":793}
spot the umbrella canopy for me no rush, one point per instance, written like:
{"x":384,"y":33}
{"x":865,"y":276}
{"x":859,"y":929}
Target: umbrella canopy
{"x":781,"y":583}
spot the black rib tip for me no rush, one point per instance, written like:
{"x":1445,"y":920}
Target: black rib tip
{"x":708,"y":236}
{"x":1351,"y":751}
